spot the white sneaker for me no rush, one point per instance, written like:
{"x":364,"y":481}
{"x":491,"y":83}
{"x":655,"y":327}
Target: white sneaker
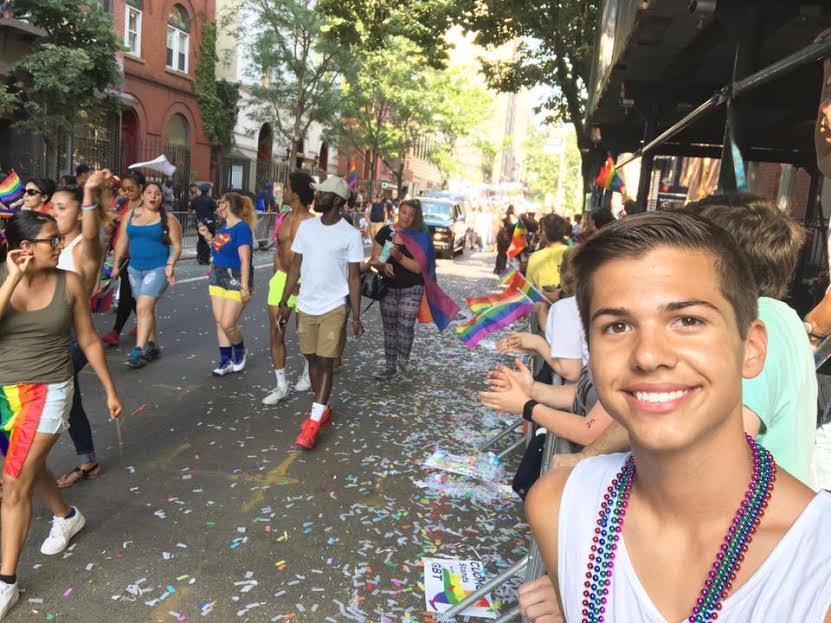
{"x":304,"y":384}
{"x":9,"y":594}
{"x":62,"y":530}
{"x":221,"y":370}
{"x":239,"y":367}
{"x":276,"y":395}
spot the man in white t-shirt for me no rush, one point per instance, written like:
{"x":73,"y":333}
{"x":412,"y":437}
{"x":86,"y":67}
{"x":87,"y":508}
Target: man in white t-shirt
{"x":327,"y":257}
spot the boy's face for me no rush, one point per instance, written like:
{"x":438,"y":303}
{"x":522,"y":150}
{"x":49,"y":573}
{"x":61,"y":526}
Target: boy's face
{"x":666,"y":354}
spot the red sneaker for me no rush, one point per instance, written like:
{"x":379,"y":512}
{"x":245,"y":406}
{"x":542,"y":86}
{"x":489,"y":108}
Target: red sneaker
{"x":111,"y":338}
{"x":308,"y":434}
{"x":133,"y":332}
{"x":327,"y":418}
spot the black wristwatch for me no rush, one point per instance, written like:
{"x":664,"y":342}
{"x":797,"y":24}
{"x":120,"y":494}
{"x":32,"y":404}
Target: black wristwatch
{"x":528,"y":410}
{"x":282,"y":304}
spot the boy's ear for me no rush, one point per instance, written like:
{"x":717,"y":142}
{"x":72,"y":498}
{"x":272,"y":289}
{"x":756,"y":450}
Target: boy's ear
{"x":755,"y":350}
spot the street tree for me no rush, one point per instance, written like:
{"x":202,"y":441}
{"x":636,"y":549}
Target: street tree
{"x":66,"y":81}
{"x":552,"y":168}
{"x":294,"y":70}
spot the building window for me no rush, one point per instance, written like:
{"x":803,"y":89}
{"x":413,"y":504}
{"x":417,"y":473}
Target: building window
{"x":178,"y":39}
{"x":132,"y":27}
{"x":237,"y":173}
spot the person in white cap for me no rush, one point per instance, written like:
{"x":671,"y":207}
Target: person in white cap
{"x":327,"y":257}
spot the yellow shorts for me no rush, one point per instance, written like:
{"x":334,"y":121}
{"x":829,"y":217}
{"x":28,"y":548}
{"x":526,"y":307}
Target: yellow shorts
{"x":321,"y":335}
{"x":276,"y":286}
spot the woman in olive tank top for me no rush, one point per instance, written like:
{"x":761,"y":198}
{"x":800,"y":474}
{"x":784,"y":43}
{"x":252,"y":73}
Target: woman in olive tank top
{"x":38,"y":305}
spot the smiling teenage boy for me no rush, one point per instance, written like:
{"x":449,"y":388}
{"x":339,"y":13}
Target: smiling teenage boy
{"x":682,"y":526}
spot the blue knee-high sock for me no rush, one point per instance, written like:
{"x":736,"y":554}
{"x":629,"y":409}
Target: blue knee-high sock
{"x":239,"y":351}
{"x":224,"y":355}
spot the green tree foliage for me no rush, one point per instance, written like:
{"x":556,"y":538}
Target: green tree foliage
{"x":218,"y":104}
{"x":66,"y":78}
{"x":295,"y":70}
{"x":553,"y":170}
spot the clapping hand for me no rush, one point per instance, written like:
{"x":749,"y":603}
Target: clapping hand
{"x":510,"y":390}
{"x":515,"y":342}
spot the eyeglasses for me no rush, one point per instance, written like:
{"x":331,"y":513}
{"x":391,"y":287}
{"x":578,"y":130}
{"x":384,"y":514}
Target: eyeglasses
{"x":33,"y":191}
{"x":55,"y":241}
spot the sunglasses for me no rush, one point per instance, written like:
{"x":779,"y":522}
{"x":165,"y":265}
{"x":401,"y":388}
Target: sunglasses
{"x":33,"y":191}
{"x":55,"y":241}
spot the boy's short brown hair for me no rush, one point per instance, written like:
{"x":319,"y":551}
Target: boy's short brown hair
{"x":769,"y":238}
{"x":635,"y":236}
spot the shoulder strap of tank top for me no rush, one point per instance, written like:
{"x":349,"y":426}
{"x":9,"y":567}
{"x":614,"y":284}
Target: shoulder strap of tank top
{"x":61,"y":291}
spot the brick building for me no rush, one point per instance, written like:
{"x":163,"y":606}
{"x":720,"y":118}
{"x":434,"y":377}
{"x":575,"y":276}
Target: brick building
{"x":160,"y":112}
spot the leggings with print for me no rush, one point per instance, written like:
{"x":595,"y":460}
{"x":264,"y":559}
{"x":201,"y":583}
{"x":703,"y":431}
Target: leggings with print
{"x":399,"y":309}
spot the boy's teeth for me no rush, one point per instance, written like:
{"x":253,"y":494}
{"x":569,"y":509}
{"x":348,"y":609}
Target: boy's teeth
{"x":660,"y":396}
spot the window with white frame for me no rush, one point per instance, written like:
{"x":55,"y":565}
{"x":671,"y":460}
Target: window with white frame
{"x":132,"y":27}
{"x":178,"y":39}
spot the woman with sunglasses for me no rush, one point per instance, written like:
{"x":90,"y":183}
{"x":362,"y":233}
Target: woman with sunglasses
{"x":39,"y":304}
{"x":154,"y":240}
{"x":37,"y":193}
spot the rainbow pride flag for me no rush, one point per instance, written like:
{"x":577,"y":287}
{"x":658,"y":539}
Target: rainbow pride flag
{"x":494,"y":318}
{"x":478,"y":304}
{"x":608,"y":178}
{"x":520,"y":283}
{"x":351,"y":173}
{"x":507,"y":276}
{"x":11,"y":188}
{"x":517,"y":240}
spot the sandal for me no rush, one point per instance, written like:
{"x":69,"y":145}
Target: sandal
{"x":78,"y":474}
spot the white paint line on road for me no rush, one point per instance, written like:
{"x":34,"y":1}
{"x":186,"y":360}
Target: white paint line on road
{"x":203,"y":277}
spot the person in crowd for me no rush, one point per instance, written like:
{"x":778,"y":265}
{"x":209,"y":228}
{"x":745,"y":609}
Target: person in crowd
{"x":39,"y":304}
{"x":405,"y":287}
{"x":67,"y":180}
{"x":544,"y":265}
{"x":168,"y":195}
{"x":154,"y":241}
{"x":204,"y":209}
{"x":37,"y":192}
{"x":327,"y":256}
{"x":265,"y":198}
{"x":377,"y":214}
{"x":231,"y":279}
{"x":300,"y":195}
{"x":503,"y":240}
{"x":80,"y":215}
{"x":82,"y":173}
{"x":577,"y":227}
{"x":669,"y":352}
{"x":133,"y":185}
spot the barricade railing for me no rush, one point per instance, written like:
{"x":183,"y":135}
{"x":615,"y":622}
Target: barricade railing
{"x":190,"y":233}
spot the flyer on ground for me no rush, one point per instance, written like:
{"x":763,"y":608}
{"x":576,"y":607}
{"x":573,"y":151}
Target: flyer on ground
{"x":447,"y":581}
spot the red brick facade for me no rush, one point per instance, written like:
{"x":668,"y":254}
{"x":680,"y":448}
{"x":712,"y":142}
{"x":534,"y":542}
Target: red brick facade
{"x":154,"y":93}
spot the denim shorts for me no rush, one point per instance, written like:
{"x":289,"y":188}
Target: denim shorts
{"x":226,"y":283}
{"x":151,"y":282}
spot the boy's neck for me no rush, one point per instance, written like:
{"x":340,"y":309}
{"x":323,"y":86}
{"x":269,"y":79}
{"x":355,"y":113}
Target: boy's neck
{"x":694,"y":485}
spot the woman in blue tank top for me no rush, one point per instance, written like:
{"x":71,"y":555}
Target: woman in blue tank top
{"x":154,"y":238}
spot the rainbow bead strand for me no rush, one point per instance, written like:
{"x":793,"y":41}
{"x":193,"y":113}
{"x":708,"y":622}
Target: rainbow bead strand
{"x":727,"y":562}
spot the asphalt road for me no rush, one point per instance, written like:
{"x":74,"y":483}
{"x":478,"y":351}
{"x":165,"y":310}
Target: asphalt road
{"x":205,"y":510}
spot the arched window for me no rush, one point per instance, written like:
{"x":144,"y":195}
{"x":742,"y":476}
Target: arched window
{"x":178,"y":131}
{"x":132,"y":27}
{"x":178,"y":39}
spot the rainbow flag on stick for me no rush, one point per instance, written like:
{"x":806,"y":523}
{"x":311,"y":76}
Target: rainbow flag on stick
{"x":517,"y":240}
{"x":608,"y":178}
{"x":478,"y":304}
{"x":494,"y":318}
{"x":351,"y":173}
{"x":11,"y":189}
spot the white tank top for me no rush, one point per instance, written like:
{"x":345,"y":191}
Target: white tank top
{"x":793,"y":585}
{"x":66,"y":261}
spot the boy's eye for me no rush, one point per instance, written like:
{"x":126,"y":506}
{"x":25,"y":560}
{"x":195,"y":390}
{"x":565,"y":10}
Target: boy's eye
{"x":615,"y":327}
{"x":689,"y":321}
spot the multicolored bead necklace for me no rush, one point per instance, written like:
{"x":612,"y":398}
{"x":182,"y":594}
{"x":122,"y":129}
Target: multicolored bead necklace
{"x":728,"y":559}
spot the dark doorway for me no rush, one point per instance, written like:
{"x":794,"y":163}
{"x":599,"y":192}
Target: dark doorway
{"x":264,"y":147}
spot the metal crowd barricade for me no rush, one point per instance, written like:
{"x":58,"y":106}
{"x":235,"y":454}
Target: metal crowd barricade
{"x":190,"y":233}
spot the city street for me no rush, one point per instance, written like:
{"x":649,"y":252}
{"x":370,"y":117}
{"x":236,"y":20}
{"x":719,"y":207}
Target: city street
{"x":205,"y":511}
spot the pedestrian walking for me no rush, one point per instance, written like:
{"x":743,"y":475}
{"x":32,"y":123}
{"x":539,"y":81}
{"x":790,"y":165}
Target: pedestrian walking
{"x":39,"y":303}
{"x":133,"y":185}
{"x":405,"y":287}
{"x":204,"y":209}
{"x":327,"y":256}
{"x":154,"y":240}
{"x":299,"y":195}
{"x":231,"y":278}
{"x":377,"y":214}
{"x":503,"y":240}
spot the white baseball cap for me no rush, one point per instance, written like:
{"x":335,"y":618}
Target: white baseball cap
{"x":333,"y":184}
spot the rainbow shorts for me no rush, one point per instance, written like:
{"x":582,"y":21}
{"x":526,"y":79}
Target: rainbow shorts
{"x":29,"y":408}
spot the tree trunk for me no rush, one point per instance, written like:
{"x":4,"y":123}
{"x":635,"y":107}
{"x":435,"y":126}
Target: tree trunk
{"x":373,"y":173}
{"x":400,"y":176}
{"x":51,"y":145}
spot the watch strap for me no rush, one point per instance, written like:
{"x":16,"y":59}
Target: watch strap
{"x":528,"y":410}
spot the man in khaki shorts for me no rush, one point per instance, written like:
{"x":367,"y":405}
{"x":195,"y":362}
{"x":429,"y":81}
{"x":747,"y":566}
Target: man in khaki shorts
{"x":327,"y":256}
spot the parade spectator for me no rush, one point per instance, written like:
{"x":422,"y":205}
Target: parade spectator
{"x":482,"y":225}
{"x":204,"y":209}
{"x":327,"y":255}
{"x":231,"y":279}
{"x":670,"y":306}
{"x":265,"y":199}
{"x":38,"y":305}
{"x":300,"y":195}
{"x":154,"y":241}
{"x":544,"y":265}
{"x":405,"y":287}
{"x":377,"y":214}
{"x":37,"y":193}
{"x":503,"y":240}
{"x":82,"y":173}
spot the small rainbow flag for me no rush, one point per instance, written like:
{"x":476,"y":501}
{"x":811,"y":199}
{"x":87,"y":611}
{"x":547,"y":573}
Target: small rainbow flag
{"x":351,"y":173}
{"x":520,"y":283}
{"x":11,"y":188}
{"x":497,"y":317}
{"x":608,"y":178}
{"x":507,"y":276}
{"x":478,"y":304}
{"x":517,"y":240}
{"x":102,"y":299}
